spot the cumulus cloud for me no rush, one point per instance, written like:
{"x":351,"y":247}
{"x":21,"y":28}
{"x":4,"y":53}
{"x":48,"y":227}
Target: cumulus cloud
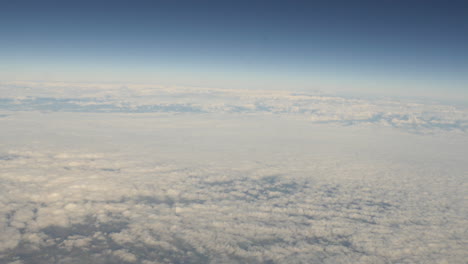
{"x":100,"y":207}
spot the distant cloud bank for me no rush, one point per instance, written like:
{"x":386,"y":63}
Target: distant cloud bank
{"x":411,"y":115}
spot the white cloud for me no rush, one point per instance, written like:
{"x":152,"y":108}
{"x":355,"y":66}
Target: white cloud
{"x":10,"y":238}
{"x":259,"y":216}
{"x":233,"y":187}
{"x":125,"y":255}
{"x":411,"y":115}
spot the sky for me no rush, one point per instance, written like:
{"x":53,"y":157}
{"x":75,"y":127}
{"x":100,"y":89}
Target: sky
{"x":416,"y":48}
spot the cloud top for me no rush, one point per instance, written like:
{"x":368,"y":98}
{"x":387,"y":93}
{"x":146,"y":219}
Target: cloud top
{"x":410,"y":115}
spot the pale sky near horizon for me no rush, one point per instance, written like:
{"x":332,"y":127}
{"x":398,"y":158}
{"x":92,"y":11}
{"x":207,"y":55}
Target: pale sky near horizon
{"x":415,"y":48}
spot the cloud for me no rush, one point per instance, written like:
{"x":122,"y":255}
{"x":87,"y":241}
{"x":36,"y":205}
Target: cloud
{"x":410,"y":115}
{"x":125,"y":255}
{"x":144,"y":214}
{"x":253,"y":177}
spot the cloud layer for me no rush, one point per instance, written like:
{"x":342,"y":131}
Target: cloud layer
{"x":80,"y":203}
{"x":97,"y":208}
{"x":96,"y":175}
{"x":411,"y":115}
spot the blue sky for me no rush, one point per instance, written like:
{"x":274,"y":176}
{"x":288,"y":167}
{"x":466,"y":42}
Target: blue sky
{"x":382,"y":47}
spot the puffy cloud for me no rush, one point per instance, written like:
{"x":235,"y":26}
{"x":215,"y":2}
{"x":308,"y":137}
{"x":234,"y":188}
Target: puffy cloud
{"x":210,"y":214}
{"x":125,"y":255}
{"x":10,"y":238}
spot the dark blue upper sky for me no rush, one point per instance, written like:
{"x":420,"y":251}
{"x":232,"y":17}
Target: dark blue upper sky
{"x":381,"y":45}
